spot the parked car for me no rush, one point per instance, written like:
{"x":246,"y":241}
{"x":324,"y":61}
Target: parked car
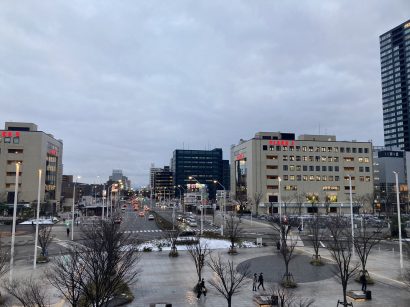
{"x":150,"y":217}
{"x":192,"y":223}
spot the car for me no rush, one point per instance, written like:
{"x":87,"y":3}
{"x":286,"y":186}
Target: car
{"x":180,"y":218}
{"x":118,"y":220}
{"x":150,"y":217}
{"x":192,"y":223}
{"x":141,"y":214}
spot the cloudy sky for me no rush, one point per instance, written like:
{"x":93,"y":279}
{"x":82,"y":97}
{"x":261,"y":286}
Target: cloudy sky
{"x":124,"y":83}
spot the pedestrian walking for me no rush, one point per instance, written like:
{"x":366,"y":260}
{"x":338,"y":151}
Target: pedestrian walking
{"x":278,"y":245}
{"x":254,"y":282}
{"x":260,"y":279}
{"x":68,"y":231}
{"x":363,"y":280}
{"x":201,"y":289}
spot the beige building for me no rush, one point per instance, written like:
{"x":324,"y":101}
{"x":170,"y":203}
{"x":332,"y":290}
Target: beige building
{"x":312,"y":172}
{"x":34,"y":150}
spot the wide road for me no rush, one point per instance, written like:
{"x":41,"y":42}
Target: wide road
{"x":138,"y":226}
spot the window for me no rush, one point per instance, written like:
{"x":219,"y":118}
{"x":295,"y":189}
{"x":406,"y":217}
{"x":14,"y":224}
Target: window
{"x":366,"y":150}
{"x":361,"y":169}
{"x":324,"y":178}
{"x":317,"y":168}
{"x":310,"y":158}
{"x":272,"y":187}
{"x":317,"y":158}
{"x":329,"y":149}
{"x":292,"y":168}
{"x":360,"y":150}
{"x":297,"y":148}
{"x":285,"y":167}
{"x":330,"y":178}
{"x":347,"y":188}
{"x":271,"y":167}
{"x":323,"y":159}
{"x":15,"y":151}
{"x":354,"y":150}
{"x":317,"y":149}
{"x":336,"y":168}
{"x":270,"y":157}
{"x":265,"y":147}
{"x":324,"y":168}
{"x":304,"y":148}
{"x":285,"y":148}
{"x":16,"y":140}
{"x":285,"y":158}
{"x":7,"y":140}
{"x":298,"y":177}
{"x":272,"y":177}
{"x":297,"y":158}
{"x":305,"y":178}
{"x":361,"y":178}
{"x":330,"y":159}
{"x":337,"y":178}
{"x":366,"y":160}
{"x":311,"y":168}
{"x":342,"y":149}
{"x":312,"y":178}
{"x":367,"y":169}
{"x":367,"y":178}
{"x":298,"y":168}
{"x":305,"y":168}
{"x":347,"y":149}
{"x":277,"y":148}
{"x":348,"y":159}
{"x":311,"y":148}
{"x":336,"y":149}
{"x":330,"y":168}
{"x":349,"y":168}
{"x":360,"y":159}
{"x":291,"y":158}
{"x":285,"y":177}
{"x":292,"y":177}
{"x":304,"y":158}
{"x":335,"y":159}
{"x":291,"y":148}
{"x":323,"y":149}
{"x":317,"y":178}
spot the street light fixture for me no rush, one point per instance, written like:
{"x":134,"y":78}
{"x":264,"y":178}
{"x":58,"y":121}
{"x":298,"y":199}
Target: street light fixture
{"x":396,"y":174}
{"x":224,"y":207}
{"x":202,"y":202}
{"x":37,"y":219}
{"x":179,"y":187}
{"x":280,"y":210}
{"x":351,"y":212}
{"x":72,"y":222}
{"x":13,"y":232}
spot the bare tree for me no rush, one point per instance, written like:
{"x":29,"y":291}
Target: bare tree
{"x":108,"y":259}
{"x":172,"y":237}
{"x":4,"y":262}
{"x":287,"y":243}
{"x":286,"y":200}
{"x":44,"y":238}
{"x":199,"y":253}
{"x":227,"y":280}
{"x":340,"y":247}
{"x":284,"y":297}
{"x":233,"y":231}
{"x":364,"y":241}
{"x":256,"y":200}
{"x":300,"y":199}
{"x":316,"y":235}
{"x":66,"y":273}
{"x":29,"y":292}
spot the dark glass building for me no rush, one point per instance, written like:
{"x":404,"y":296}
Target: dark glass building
{"x":395,"y":71}
{"x":205,"y":165}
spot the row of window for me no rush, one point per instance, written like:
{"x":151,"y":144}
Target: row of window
{"x":317,"y":149}
{"x":324,"y":188}
{"x":10,"y":140}
{"x":323,"y":168}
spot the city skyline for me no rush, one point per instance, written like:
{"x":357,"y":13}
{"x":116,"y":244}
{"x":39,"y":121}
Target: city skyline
{"x":123,"y":85}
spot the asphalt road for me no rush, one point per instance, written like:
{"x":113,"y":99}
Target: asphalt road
{"x":139,"y":226}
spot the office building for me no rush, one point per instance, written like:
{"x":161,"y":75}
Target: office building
{"x":386,"y":161}
{"x":395,"y":75}
{"x":23,"y":143}
{"x":311,"y":173}
{"x":205,"y":165}
{"x":163,"y":188}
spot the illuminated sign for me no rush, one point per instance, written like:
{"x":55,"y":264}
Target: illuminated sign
{"x":10,"y":134}
{"x":241,"y":156}
{"x":52,"y":152}
{"x":282,"y":143}
{"x":407,"y":25}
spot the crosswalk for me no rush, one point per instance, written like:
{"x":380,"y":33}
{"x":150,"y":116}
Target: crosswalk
{"x":141,"y":231}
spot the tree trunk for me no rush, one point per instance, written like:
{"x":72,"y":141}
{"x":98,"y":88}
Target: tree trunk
{"x":229,"y":299}
{"x":344,"y":295}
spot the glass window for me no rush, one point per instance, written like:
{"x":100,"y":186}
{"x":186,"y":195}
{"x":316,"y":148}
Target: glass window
{"x":317,"y":168}
{"x":336,"y":168}
{"x":277,"y":148}
{"x":342,"y":149}
{"x":311,"y":168}
{"x":336,"y":178}
{"x":330,"y":168}
{"x":285,"y":167}
{"x":329,"y":149}
{"x":292,"y":168}
{"x":291,"y":158}
{"x":366,"y":150}
{"x":336,"y":149}
{"x":311,"y":159}
{"x":317,"y":158}
{"x":292,"y":177}
{"x":354,"y":150}
{"x":323,"y":159}
{"x":305,"y":178}
{"x":7,"y":140}
{"x":297,"y":158}
{"x":285,"y":148}
{"x":324,"y":178}
{"x":285,"y":177}
{"x":366,"y":160}
{"x":16,"y":140}
{"x":348,"y":149}
{"x":312,"y":178}
{"x":291,"y":148}
{"x":298,"y":168}
{"x":285,"y":158}
{"x":318,"y":178}
{"x":317,"y":149}
{"x":323,"y":149}
{"x":265,"y":147}
{"x":304,"y":158}
{"x":304,"y":148}
{"x":324,"y":168}
{"x":361,"y":169}
{"x":360,"y":150}
{"x":305,"y":168}
{"x":298,"y":177}
{"x":311,"y":148}
{"x":368,"y":169}
{"x":330,"y":178}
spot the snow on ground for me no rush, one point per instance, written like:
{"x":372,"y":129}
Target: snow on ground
{"x":164,"y":244}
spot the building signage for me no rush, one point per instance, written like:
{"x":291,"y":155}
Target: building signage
{"x":10,"y":134}
{"x":241,"y":156}
{"x":52,"y":152}
{"x":282,"y":143}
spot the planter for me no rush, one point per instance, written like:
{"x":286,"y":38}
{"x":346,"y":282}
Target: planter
{"x":42,"y":259}
{"x":232,"y":251}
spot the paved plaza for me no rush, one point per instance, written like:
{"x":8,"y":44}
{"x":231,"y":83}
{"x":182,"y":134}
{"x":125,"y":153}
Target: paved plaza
{"x":171,"y":280}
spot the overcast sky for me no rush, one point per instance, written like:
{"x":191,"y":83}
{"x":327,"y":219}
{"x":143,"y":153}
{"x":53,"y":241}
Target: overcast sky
{"x":124,"y":83}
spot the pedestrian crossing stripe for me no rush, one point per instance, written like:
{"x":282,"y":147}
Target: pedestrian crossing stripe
{"x":159,"y":230}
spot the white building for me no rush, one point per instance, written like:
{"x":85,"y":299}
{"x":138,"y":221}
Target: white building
{"x":308,"y":174}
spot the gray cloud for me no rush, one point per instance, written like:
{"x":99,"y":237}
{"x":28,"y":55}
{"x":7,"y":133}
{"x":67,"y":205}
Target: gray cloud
{"x":125,"y":83}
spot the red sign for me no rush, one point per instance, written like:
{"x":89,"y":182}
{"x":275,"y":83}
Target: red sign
{"x":241,"y":156}
{"x":9,"y":134}
{"x":282,"y":143}
{"x":52,"y":152}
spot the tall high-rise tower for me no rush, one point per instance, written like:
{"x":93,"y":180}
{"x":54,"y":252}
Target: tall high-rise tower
{"x":395,"y":70}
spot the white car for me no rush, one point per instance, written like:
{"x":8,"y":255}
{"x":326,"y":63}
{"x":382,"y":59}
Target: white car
{"x":150,"y":217}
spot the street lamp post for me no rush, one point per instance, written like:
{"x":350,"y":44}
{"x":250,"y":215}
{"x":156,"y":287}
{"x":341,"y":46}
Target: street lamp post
{"x":13,"y":232}
{"x":224,"y":208}
{"x":180,"y":197}
{"x":351,"y":211}
{"x":72,"y":222}
{"x":104,"y":193}
{"x":37,"y":218}
{"x":280,"y":210}
{"x":396,"y":174}
{"x":202,"y":203}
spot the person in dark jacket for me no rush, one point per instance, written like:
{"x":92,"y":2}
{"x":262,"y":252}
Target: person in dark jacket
{"x":260,"y":279}
{"x":363,"y":280}
{"x":200,"y":287}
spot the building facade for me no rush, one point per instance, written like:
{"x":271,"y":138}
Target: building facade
{"x":163,"y":187}
{"x":395,"y":73}
{"x":308,"y":173}
{"x":206,"y":166}
{"x":34,"y":150}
